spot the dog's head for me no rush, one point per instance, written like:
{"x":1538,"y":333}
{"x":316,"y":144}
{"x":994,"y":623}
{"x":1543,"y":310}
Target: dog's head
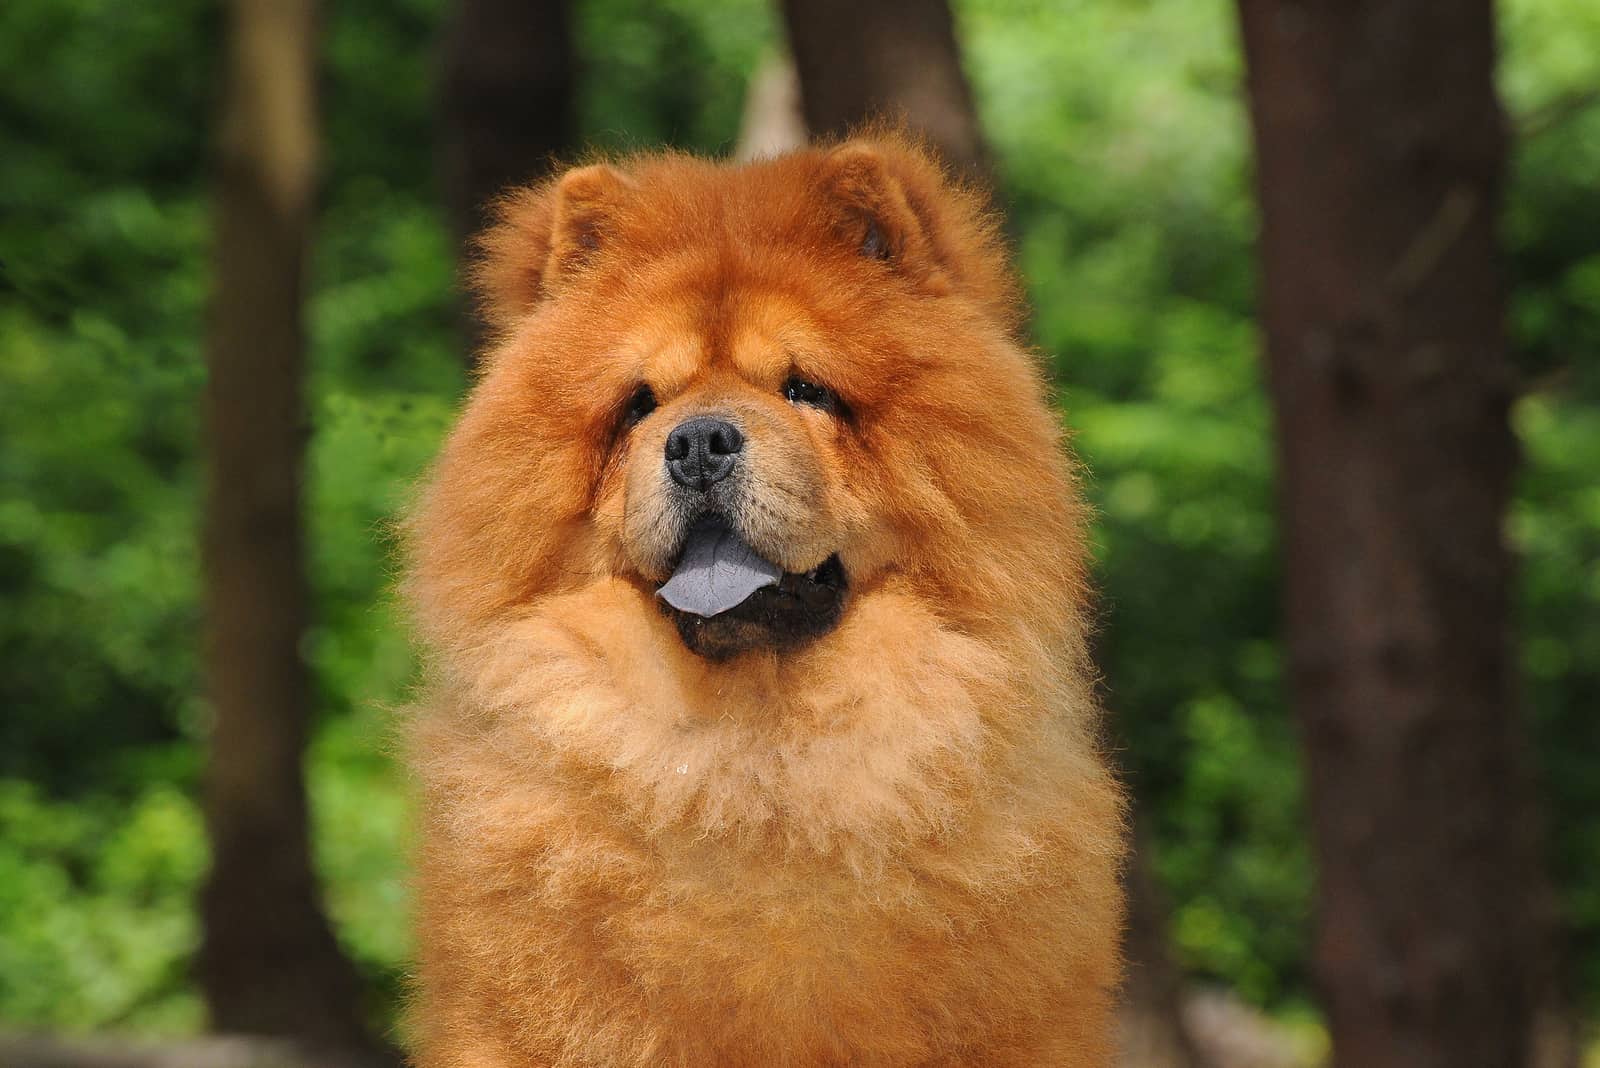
{"x":758,"y":393}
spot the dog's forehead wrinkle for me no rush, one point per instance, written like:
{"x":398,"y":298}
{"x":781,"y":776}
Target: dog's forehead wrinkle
{"x":740,"y":344}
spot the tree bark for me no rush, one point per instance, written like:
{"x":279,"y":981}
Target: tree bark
{"x":1379,"y":157}
{"x":506,"y":109}
{"x":268,"y":962}
{"x":1154,"y":1033}
{"x":772,"y":123}
{"x":893,"y":59}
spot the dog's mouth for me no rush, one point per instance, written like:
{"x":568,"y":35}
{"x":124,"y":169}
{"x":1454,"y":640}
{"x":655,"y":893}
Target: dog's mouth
{"x":726,"y":598}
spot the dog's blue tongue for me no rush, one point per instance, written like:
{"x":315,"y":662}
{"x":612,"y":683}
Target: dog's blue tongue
{"x":718,"y":571}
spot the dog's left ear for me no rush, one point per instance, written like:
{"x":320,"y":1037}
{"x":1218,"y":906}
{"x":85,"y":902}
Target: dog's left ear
{"x":892,"y":202}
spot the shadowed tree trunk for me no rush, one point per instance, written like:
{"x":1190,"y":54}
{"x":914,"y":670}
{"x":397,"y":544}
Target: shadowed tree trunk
{"x":268,"y":962}
{"x":1153,"y":1030}
{"x":772,"y":123}
{"x":506,"y":107}
{"x":886,"y":58}
{"x":1379,"y":153}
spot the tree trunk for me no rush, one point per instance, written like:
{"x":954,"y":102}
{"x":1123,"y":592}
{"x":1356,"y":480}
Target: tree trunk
{"x":894,"y":59}
{"x":268,"y":962}
{"x":506,"y":108}
{"x":1153,"y":1031}
{"x":1379,"y":153}
{"x":772,"y":123}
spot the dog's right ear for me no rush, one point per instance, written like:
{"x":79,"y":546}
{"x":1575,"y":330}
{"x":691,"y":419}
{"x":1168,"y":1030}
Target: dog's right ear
{"x":541,"y":237}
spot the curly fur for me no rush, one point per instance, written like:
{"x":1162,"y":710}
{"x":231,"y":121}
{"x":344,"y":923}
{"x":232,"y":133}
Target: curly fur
{"x":895,"y":845}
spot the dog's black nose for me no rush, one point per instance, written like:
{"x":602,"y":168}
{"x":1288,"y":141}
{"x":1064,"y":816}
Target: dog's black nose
{"x":701,"y":451}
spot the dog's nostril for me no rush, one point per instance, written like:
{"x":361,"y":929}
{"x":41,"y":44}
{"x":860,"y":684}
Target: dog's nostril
{"x":725,"y":439}
{"x":700,"y":451}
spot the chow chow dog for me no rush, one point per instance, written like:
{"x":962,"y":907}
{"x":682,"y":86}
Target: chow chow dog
{"x":761,"y":729}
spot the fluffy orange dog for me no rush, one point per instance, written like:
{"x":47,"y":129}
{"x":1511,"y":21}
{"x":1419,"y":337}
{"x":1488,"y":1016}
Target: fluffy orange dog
{"x":762,"y":730}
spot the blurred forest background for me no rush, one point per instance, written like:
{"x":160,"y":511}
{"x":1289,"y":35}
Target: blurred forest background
{"x":1118,"y":135}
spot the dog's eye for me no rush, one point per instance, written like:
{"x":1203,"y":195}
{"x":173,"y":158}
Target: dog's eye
{"x":641,"y":404}
{"x":799,"y":391}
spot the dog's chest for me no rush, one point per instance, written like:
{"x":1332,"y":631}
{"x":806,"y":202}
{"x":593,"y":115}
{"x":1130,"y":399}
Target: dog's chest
{"x":810,"y":946}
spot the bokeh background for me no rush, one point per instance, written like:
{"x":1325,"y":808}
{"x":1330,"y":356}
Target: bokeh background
{"x":1120,"y":145}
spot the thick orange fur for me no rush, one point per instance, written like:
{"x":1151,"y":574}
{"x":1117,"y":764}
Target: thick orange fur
{"x":895,"y":845}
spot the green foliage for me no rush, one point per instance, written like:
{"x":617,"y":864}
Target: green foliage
{"x":99,"y":922}
{"x":105,"y":259}
{"x":1120,"y":139}
{"x":668,"y":72}
{"x":1552,"y":66}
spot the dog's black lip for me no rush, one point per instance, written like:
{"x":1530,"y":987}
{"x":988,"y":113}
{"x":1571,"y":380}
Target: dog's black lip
{"x":828,"y":575}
